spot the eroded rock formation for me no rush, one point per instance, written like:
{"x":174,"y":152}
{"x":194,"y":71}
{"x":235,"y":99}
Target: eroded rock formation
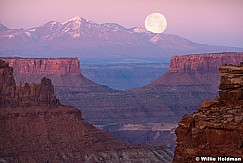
{"x":24,"y":95}
{"x":46,"y":66}
{"x":197,"y":69}
{"x":203,"y":63}
{"x":216,"y":130}
{"x":35,"y":127}
{"x":64,"y":72}
{"x":231,"y":87}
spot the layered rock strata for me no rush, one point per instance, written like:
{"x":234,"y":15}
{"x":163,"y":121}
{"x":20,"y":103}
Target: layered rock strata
{"x":231,"y":87}
{"x":197,"y":69}
{"x":203,"y":63}
{"x":26,"y":94}
{"x":64,"y":72}
{"x":216,"y":129}
{"x":35,"y":127}
{"x":189,"y":80}
{"x":37,"y":134}
{"x":58,"y":66}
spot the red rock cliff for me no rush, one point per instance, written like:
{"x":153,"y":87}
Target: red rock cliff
{"x":203,"y":63}
{"x":197,"y":69}
{"x":62,"y":71}
{"x":47,"y":66}
{"x":12,"y":95}
{"x":216,"y":130}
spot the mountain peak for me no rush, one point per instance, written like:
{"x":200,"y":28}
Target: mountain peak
{"x":76,"y":19}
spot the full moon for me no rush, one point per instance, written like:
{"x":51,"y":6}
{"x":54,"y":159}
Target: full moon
{"x":155,"y":23}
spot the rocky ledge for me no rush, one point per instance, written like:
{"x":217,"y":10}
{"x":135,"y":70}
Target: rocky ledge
{"x":216,"y":130}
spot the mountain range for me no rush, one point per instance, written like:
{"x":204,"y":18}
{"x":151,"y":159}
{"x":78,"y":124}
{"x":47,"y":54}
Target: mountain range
{"x":89,"y":41}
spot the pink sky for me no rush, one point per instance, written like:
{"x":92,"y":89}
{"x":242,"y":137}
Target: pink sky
{"x":216,"y":22}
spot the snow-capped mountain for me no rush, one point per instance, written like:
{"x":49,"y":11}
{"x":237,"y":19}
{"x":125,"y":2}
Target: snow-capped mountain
{"x":88,"y":40}
{"x":2,"y":27}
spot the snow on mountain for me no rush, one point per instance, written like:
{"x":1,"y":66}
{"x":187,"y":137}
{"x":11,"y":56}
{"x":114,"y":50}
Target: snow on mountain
{"x":51,"y":25}
{"x":86,"y":39}
{"x":28,"y":34}
{"x":74,"y":19}
{"x":139,"y":30}
{"x":114,"y":26}
{"x":31,"y":30}
{"x":2,"y":27}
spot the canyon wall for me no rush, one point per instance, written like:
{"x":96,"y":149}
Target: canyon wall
{"x":203,"y":63}
{"x":47,"y":66}
{"x":190,"y":79}
{"x":216,"y":129}
{"x":35,"y":127}
{"x":25,"y":95}
{"x":197,"y":69}
{"x":64,"y":72}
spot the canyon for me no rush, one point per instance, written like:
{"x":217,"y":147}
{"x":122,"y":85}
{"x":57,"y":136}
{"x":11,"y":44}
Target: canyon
{"x":189,"y":80}
{"x":216,"y":128}
{"x":123,"y":76}
{"x":36,"y":127}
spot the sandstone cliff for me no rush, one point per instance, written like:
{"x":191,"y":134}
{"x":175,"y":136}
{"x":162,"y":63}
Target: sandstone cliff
{"x":37,"y":134}
{"x":35,"y":127}
{"x":216,"y":130}
{"x":64,"y":72}
{"x":12,"y":95}
{"x":197,"y":69}
{"x":203,"y":63}
{"x":47,"y":66}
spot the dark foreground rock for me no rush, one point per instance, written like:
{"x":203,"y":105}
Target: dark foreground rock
{"x":216,"y":130}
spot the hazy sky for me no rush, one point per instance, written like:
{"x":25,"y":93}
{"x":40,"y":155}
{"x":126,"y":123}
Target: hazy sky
{"x":218,"y":22}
